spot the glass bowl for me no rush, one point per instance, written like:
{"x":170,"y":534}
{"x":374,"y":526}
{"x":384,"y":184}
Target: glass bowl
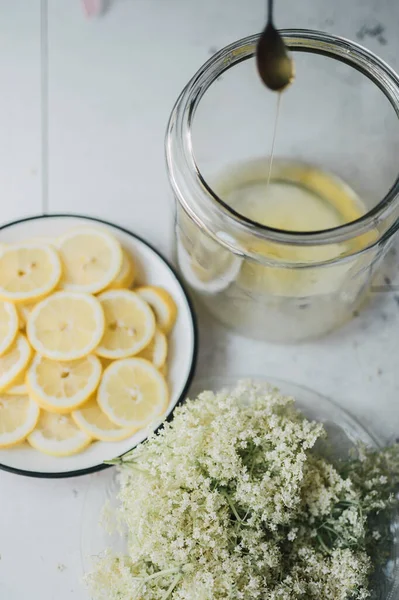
{"x":343,"y":433}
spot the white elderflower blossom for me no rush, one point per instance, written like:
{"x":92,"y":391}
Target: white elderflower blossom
{"x":230,"y":501}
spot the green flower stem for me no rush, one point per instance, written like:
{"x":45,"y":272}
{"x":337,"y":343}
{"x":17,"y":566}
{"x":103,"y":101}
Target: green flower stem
{"x":233,"y":508}
{"x":162,"y":573}
{"x":172,"y":586}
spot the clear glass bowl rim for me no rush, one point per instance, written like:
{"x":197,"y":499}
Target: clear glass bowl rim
{"x":187,"y":181}
{"x":103,"y":486}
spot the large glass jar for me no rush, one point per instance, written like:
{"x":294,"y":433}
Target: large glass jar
{"x":286,"y":250}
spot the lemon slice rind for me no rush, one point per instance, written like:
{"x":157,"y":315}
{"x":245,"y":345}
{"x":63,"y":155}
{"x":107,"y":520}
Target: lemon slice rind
{"x":9,"y":323}
{"x":17,"y":390}
{"x":10,"y":370}
{"x":44,"y":438}
{"x":157,"y":350}
{"x":95,"y":423}
{"x":125,"y":277}
{"x":209,"y":285}
{"x":9,"y":402}
{"x":162,"y":304}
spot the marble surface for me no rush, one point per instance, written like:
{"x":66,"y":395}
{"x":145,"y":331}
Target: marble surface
{"x":83,"y":108}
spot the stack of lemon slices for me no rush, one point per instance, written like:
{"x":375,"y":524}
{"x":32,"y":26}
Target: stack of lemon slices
{"x":82,"y":353}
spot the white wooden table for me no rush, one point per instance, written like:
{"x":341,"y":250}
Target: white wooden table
{"x":83,"y":108}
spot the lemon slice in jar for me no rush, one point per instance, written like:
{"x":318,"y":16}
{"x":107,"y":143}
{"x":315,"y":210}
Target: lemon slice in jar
{"x":93,"y":421}
{"x":129,"y":324}
{"x":28,"y":272}
{"x":132,"y":393}
{"x":208,"y":274}
{"x":91,"y":260}
{"x":66,"y":326}
{"x":18,"y":417}
{"x":63,"y":386}
{"x":9,"y":325}
{"x":57,"y":435}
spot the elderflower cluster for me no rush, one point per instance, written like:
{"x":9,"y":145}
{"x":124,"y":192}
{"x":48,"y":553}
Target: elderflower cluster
{"x":230,"y":501}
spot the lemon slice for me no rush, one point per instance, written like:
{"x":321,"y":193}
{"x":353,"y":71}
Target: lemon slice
{"x":162,"y":304}
{"x":9,"y":325}
{"x":21,"y":320}
{"x":91,"y":258}
{"x":24,"y":311}
{"x":63,"y":386}
{"x":132,"y":393}
{"x":18,"y":390}
{"x":18,"y":387}
{"x":156,"y":351}
{"x":28,"y":272}
{"x":125,"y":277}
{"x":66,"y":326}
{"x":18,"y":417}
{"x":14,"y":362}
{"x":57,"y":435}
{"x":129,"y":324}
{"x":208,"y":271}
{"x":93,"y":421}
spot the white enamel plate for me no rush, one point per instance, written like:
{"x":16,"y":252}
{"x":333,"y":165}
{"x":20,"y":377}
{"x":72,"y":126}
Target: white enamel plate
{"x":152,"y":269}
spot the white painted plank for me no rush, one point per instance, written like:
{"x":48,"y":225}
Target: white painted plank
{"x":20,"y":122}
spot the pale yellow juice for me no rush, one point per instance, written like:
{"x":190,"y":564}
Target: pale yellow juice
{"x":283,"y":295}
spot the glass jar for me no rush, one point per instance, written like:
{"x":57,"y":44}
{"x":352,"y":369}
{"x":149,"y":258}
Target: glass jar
{"x":286,"y":249}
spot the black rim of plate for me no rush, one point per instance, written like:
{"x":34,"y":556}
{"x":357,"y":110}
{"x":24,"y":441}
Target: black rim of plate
{"x":102,"y":466}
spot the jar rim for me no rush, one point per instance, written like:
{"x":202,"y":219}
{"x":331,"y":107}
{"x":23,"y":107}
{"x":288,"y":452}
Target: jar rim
{"x":186,"y":178}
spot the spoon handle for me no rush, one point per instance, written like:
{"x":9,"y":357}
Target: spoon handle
{"x":270,"y":11}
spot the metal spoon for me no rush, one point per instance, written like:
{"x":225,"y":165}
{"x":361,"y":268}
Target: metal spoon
{"x":273,"y":60}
